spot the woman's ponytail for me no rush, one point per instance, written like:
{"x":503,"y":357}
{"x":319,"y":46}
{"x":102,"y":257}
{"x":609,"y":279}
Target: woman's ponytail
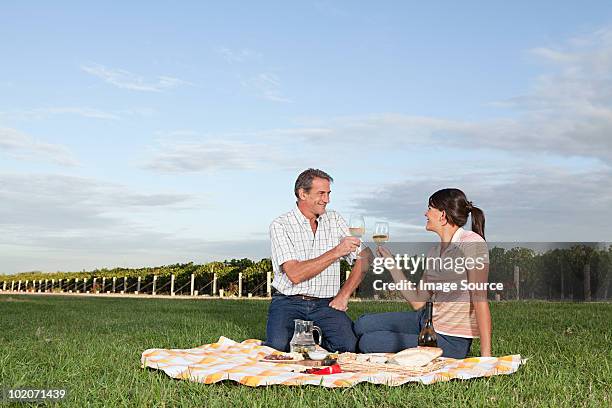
{"x":478,"y":221}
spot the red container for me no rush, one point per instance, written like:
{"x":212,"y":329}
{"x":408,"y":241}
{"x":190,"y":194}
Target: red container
{"x":332,"y":369}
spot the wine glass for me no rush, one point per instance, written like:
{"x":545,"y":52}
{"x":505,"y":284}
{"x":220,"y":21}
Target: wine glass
{"x":357,"y":229}
{"x":381,"y":233}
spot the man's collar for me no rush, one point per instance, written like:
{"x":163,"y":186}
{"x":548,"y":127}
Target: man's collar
{"x":302,"y":218}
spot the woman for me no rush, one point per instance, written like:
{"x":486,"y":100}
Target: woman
{"x":458,"y":315}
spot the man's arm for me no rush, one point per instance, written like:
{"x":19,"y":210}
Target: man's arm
{"x":300,"y":271}
{"x":340,"y":301}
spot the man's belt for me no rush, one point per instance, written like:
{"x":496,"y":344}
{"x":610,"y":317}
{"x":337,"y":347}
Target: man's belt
{"x":303,"y":297}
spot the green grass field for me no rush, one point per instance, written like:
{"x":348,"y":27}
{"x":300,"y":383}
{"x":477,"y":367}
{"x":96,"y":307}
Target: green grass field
{"x":92,"y":347}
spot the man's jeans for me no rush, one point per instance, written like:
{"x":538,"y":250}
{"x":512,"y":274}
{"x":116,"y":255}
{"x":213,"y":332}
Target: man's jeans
{"x":336,"y":326}
{"x":395,"y":331}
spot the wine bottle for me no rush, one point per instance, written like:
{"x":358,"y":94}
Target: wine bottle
{"x":427,"y":336}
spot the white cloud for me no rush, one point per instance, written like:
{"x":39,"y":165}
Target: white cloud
{"x":24,"y":147}
{"x":137,"y":247}
{"x":43,"y":113}
{"x":127,"y":80}
{"x":211,"y":155}
{"x":533,"y":204}
{"x":568,"y":112}
{"x":237,"y":56}
{"x":267,"y":86}
{"x":67,"y":202}
{"x":57,"y":222}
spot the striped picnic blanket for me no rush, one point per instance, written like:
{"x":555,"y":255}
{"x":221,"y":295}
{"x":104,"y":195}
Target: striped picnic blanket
{"x":230,"y":360}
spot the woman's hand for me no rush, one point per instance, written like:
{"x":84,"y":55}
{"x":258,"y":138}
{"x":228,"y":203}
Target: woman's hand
{"x":383,"y":252}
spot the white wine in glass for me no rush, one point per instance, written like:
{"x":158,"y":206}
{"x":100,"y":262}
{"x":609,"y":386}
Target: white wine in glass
{"x":381,"y":233}
{"x":357,"y":229}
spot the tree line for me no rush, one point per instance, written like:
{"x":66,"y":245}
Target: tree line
{"x":581,"y":272}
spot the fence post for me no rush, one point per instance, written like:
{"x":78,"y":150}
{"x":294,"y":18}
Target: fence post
{"x":172,"y":285}
{"x":85,"y":285}
{"x":26,"y":285}
{"x":562,"y":285}
{"x":154,"y":283}
{"x":103,"y":283}
{"x":138,"y":285}
{"x":94,"y":289}
{"x":12,"y":285}
{"x":192,"y":283}
{"x":214,"y":289}
{"x":33,"y":285}
{"x":587,"y":282}
{"x":114,"y":283}
{"x":517,"y":281}
{"x":46,"y":285}
{"x":269,"y":283}
{"x":76,"y":285}
{"x":124,"y":285}
{"x":239,"y":284}
{"x":40,"y":285}
{"x":59,"y":283}
{"x":19,"y":287}
{"x":3,"y":286}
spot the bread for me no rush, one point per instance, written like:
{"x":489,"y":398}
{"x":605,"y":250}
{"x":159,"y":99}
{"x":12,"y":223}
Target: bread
{"x":416,"y":356}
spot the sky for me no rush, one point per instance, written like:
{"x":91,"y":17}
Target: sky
{"x":149,"y":133}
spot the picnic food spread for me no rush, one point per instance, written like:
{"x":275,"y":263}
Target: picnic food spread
{"x":242,"y":362}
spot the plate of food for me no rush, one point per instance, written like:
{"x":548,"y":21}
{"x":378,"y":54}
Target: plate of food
{"x":279,"y":357}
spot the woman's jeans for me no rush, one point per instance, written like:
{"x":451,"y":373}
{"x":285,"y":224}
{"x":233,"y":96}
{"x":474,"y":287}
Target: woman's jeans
{"x":395,"y":331}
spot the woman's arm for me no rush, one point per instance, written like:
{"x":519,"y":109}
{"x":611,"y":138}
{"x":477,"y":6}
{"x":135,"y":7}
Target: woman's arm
{"x":414,"y":297}
{"x":481,"y":308}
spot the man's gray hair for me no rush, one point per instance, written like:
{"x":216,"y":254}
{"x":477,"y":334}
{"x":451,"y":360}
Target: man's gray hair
{"x":304,"y":180}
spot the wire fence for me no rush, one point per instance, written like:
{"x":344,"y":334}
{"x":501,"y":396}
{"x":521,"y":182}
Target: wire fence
{"x":521,"y":283}
{"x":181,"y":285}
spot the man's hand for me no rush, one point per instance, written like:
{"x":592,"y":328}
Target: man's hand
{"x":347,"y":245}
{"x":339,"y":303}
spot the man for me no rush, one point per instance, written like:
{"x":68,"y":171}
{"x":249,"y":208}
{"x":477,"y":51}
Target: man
{"x":307,"y":244}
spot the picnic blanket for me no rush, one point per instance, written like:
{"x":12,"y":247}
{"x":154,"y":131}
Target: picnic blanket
{"x":230,"y":360}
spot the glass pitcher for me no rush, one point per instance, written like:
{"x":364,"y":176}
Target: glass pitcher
{"x":303,"y":341}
